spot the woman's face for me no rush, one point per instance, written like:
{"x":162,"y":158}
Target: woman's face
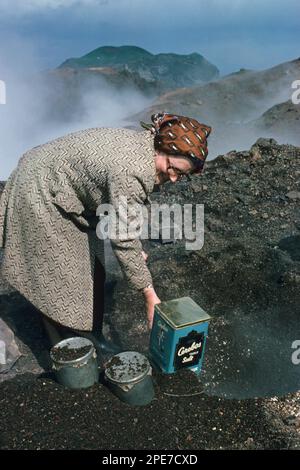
{"x":169,"y":168}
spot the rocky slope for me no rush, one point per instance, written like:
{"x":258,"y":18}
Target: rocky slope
{"x":246,"y":276}
{"x":231,"y":104}
{"x":282,"y":120}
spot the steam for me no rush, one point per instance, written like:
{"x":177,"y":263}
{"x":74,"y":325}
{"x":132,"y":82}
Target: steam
{"x":35,"y":111}
{"x":255,"y":359}
{"x":233,"y":107}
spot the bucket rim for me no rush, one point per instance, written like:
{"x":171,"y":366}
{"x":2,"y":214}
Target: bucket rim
{"x":131,"y":381}
{"x":64,"y":342}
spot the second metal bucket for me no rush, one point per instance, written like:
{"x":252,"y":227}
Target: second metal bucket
{"x":74,"y":363}
{"x":129,"y":376}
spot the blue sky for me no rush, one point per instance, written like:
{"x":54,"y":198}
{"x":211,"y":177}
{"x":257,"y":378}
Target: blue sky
{"x":230,"y":33}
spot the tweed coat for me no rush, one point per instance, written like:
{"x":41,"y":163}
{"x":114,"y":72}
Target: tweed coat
{"x":48,"y":218}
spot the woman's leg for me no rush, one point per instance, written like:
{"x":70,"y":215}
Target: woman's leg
{"x":52,"y":331}
{"x":55,"y":331}
{"x":104,"y":348}
{"x":99,"y":296}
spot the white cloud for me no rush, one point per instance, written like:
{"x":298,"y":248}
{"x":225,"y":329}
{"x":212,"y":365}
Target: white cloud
{"x":214,"y":9}
{"x":20,"y":7}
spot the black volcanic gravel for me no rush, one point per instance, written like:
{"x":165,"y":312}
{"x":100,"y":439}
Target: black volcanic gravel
{"x":69,"y":354}
{"x":246,"y":276}
{"x":40,"y":414}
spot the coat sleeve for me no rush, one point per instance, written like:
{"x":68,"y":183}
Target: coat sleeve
{"x":125,"y":193}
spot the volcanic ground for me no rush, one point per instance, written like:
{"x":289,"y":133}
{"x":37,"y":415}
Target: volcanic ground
{"x":246,"y":276}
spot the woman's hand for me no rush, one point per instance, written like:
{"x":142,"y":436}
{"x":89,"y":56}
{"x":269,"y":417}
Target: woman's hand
{"x":145,"y":255}
{"x":151,"y":299}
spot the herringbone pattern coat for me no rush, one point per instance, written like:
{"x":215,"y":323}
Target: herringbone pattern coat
{"x":48,"y":218}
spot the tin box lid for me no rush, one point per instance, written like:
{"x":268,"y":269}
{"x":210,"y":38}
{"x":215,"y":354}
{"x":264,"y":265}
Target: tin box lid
{"x":127,"y":367}
{"x":182,"y":312}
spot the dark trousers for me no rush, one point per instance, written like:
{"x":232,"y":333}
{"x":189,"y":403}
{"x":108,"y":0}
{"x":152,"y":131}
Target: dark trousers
{"x":99,"y":296}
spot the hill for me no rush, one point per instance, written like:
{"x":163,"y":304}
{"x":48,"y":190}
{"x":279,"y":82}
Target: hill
{"x":170,"y":70}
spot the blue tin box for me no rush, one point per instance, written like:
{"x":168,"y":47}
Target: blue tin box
{"x":178,"y":335}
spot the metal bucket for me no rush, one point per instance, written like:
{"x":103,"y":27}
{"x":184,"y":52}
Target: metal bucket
{"x":129,"y":376}
{"x":80,"y":371}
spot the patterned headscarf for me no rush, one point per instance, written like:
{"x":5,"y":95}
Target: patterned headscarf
{"x":180,"y":135}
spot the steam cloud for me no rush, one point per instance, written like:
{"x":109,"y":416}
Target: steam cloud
{"x":29,"y":117}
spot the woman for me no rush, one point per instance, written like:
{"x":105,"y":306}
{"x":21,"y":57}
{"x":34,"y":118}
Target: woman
{"x":52,"y":254}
